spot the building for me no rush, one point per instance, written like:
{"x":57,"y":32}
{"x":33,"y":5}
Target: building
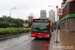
{"x":30,"y":18}
{"x":43,"y":14}
{"x":52,"y":15}
{"x":67,"y":21}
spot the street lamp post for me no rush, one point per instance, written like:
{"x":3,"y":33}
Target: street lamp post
{"x":11,"y":10}
{"x":51,"y":6}
{"x":57,"y":23}
{"x":10,"y":15}
{"x":57,"y":26}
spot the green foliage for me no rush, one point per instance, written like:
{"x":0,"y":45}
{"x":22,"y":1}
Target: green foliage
{"x":3,"y":31}
{"x":26,"y":21}
{"x":54,"y":23}
{"x":30,"y":23}
{"x":13,"y":30}
{"x":5,"y":20}
{"x":13,"y":25}
{"x":4,"y":24}
{"x":1,"y":19}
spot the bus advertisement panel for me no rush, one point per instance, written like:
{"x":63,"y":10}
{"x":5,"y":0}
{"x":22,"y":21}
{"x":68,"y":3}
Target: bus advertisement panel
{"x":40,"y":28}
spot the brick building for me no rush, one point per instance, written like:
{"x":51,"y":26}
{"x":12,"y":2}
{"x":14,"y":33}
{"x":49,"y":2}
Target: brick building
{"x":67,"y":21}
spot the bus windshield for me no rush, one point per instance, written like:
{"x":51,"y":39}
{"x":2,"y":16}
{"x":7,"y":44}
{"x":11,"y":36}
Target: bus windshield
{"x":40,"y":27}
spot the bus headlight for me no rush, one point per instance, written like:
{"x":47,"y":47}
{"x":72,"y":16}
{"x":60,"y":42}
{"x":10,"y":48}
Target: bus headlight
{"x":47,"y":35}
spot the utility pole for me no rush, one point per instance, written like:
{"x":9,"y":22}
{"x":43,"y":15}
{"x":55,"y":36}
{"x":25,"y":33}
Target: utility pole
{"x":57,"y":27}
{"x":10,"y":15}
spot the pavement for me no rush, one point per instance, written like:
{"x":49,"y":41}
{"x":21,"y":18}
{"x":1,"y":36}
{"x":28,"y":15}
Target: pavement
{"x":66,"y":41}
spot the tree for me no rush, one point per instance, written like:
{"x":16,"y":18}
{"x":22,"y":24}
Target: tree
{"x":1,"y":19}
{"x":19,"y":22}
{"x":26,"y":21}
{"x":14,"y":22}
{"x":4,"y":18}
{"x":8,"y":19}
{"x":30,"y":23}
{"x":54,"y":23}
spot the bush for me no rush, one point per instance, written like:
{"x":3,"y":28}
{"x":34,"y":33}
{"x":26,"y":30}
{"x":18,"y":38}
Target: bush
{"x":13,"y":30}
{"x":14,"y":25}
{"x":4,"y":24}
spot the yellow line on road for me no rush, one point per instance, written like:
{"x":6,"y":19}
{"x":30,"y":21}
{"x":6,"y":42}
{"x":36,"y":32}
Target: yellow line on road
{"x":27,"y":38}
{"x":23,"y":40}
{"x":10,"y":46}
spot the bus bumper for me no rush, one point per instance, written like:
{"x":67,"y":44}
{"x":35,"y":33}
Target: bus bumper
{"x":40,"y":37}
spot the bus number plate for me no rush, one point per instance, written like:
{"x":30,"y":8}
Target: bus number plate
{"x":39,"y":37}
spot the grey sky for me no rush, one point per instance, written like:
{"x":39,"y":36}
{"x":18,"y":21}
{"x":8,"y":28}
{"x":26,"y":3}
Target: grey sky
{"x":25,"y":7}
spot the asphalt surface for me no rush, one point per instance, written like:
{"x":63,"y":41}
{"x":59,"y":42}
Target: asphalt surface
{"x":23,"y":42}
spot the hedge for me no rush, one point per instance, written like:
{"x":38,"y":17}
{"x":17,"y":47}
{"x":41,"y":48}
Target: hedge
{"x":13,"y":30}
{"x":6,"y":24}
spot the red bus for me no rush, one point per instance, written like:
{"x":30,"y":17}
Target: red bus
{"x":40,"y":28}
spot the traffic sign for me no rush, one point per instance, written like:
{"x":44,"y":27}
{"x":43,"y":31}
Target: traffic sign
{"x":9,"y":24}
{"x":59,"y":12}
{"x":57,"y":7}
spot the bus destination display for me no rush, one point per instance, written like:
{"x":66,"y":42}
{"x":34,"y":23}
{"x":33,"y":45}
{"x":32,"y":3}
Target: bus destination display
{"x":40,"y":20}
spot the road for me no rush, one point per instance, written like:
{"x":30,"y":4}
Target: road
{"x":23,"y":42}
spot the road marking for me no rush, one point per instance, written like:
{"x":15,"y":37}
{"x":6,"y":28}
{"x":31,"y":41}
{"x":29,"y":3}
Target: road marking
{"x":10,"y":46}
{"x":44,"y":45}
{"x":27,"y":38}
{"x":23,"y":40}
{"x":26,"y":42}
